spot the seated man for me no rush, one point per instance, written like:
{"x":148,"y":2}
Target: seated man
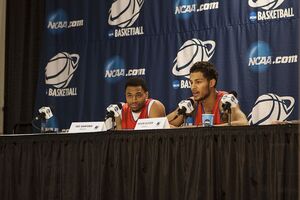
{"x":137,"y":106}
{"x":203,"y":79}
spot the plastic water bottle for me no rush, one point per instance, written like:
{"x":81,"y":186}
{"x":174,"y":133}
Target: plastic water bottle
{"x":43,"y":125}
{"x":49,"y":125}
{"x":190,"y":121}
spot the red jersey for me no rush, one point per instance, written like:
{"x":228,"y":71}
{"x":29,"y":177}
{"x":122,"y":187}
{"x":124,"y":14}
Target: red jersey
{"x":216,"y":111}
{"x":128,"y":121}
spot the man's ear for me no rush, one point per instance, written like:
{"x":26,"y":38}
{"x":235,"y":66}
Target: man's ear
{"x":147,"y":95}
{"x":212,"y":83}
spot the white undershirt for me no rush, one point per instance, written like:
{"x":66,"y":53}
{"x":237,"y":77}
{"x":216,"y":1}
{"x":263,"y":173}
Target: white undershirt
{"x":136,"y":115}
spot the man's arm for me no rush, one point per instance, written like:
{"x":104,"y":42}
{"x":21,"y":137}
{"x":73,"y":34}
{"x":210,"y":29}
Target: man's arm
{"x":118,"y":123}
{"x":238,"y":118}
{"x":175,"y":119}
{"x":157,"y":110}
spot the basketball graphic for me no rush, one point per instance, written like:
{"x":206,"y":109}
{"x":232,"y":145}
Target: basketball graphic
{"x":265,"y":4}
{"x":192,"y":51}
{"x":124,"y":13}
{"x":60,"y":69}
{"x":271,"y":107}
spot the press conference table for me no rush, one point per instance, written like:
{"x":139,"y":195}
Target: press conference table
{"x":254,"y":162}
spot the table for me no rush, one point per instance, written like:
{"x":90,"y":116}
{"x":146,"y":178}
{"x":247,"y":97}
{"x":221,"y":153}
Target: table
{"x":254,"y":162}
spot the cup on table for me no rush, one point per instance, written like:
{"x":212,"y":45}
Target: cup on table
{"x":207,"y":120}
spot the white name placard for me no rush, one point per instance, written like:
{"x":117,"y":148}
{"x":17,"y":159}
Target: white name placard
{"x":84,"y":127}
{"x":152,"y":123}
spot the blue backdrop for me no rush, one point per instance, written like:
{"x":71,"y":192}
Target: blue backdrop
{"x":91,"y":47}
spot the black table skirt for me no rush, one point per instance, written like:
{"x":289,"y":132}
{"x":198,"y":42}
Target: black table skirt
{"x":258,"y":162}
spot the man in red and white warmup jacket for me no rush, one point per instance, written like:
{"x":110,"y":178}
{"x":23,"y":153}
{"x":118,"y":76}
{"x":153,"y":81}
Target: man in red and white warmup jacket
{"x":207,"y":100}
{"x":138,"y":105}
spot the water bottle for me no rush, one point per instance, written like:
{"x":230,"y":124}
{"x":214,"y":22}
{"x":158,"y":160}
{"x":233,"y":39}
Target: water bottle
{"x":43,"y":125}
{"x":49,"y":125}
{"x":189,"y":121}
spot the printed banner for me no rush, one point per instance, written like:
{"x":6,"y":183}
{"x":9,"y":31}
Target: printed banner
{"x":91,"y":47}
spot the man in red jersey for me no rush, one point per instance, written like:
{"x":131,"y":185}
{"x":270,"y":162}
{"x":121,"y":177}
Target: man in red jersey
{"x":203,"y":79}
{"x":137,"y":106}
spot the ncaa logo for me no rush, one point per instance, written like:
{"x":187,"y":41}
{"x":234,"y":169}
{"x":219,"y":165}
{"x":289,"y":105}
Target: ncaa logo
{"x":185,"y":15}
{"x":57,"y":21}
{"x":265,"y":4}
{"x":124,"y":13}
{"x":271,"y":107}
{"x":253,"y":16}
{"x":114,"y":69}
{"x":176,"y":84}
{"x":192,"y":51}
{"x":259,"y":56}
{"x":60,"y":69}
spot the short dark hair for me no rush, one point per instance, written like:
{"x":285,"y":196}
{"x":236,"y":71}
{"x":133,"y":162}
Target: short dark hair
{"x":136,"y":81}
{"x":207,"y":69}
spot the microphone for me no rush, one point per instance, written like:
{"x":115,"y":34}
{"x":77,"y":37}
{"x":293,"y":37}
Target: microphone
{"x":111,"y":114}
{"x":44,"y":113}
{"x":226,"y":106}
{"x":41,"y":116}
{"x":182,"y":111}
{"x":187,"y":107}
{"x":228,"y":100}
{"x":49,"y":122}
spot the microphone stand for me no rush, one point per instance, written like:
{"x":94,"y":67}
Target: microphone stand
{"x":229,"y":116}
{"x":113,"y":120}
{"x":184,"y":120}
{"x":227,"y":106}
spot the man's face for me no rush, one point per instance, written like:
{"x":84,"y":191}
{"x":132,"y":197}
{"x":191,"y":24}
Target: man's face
{"x":136,"y":97}
{"x":200,"y":86}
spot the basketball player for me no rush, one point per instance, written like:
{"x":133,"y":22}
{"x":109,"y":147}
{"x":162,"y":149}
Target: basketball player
{"x":207,"y":100}
{"x":138,"y":105}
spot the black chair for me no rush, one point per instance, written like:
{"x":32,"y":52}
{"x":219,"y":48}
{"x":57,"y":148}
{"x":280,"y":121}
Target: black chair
{"x":22,"y":128}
